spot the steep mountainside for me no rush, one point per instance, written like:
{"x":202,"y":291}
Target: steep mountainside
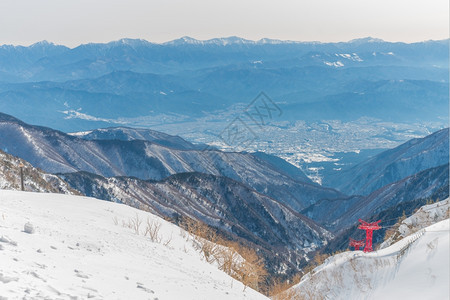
{"x":57,"y":152}
{"x":392,"y":165}
{"x":342,"y":213}
{"x":35,"y":180}
{"x":236,"y":210}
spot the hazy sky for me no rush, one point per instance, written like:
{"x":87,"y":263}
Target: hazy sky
{"x":72,"y":22}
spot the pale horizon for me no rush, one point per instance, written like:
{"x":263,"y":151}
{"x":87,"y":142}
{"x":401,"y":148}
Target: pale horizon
{"x":72,"y":23}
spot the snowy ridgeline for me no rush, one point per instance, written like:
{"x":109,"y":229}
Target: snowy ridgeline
{"x":425,"y":216}
{"x":416,"y":267}
{"x":83,"y":247}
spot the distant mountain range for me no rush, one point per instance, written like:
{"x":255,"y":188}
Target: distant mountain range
{"x":47,"y":61}
{"x":100,"y":85}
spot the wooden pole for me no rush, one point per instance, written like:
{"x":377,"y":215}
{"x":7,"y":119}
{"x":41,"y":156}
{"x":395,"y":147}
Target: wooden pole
{"x":21,"y":177}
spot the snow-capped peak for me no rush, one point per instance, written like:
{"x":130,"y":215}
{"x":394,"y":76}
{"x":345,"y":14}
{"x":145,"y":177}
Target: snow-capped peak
{"x":184,"y":40}
{"x":130,"y":42}
{"x":43,"y":43}
{"x":366,"y":40}
{"x":231,"y":40}
{"x":216,"y":41}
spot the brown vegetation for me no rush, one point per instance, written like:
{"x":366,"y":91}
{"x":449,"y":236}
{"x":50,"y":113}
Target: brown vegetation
{"x":235,"y":259}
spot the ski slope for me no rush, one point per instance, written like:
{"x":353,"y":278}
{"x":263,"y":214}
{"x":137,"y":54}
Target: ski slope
{"x":416,"y":267}
{"x":81,"y":250}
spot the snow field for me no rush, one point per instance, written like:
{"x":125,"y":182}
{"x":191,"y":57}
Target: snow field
{"x":84,"y":248}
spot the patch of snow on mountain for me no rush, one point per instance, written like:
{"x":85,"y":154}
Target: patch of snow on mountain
{"x":74,"y":114}
{"x":352,"y":56}
{"x":80,"y":133}
{"x":336,"y":64}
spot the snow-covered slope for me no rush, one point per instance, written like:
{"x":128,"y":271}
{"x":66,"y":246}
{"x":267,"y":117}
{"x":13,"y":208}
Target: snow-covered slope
{"x":416,"y":267}
{"x":80,"y":250}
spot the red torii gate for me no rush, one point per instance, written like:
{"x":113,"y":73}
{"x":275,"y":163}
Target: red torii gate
{"x":369,"y":228}
{"x":356,"y":244}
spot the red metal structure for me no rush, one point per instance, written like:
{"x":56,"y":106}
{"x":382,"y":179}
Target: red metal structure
{"x":356,"y":244}
{"x":369,"y":228}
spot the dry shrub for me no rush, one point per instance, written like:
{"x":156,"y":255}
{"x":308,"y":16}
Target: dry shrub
{"x":166,"y":243}
{"x":228,"y":260}
{"x":287,"y":294}
{"x":320,"y":258}
{"x":135,"y":223}
{"x":251,"y":271}
{"x":238,"y":261}
{"x":152,"y":231}
{"x":281,"y":290}
{"x":309,"y":268}
{"x":316,"y":261}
